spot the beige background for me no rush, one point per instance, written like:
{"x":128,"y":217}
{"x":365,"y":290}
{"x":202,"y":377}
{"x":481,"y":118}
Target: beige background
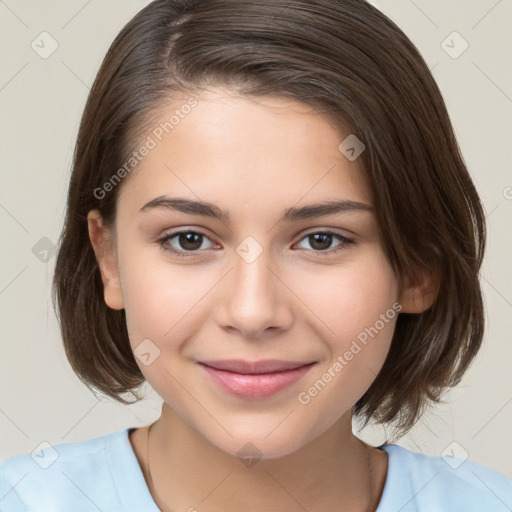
{"x":41,"y":101}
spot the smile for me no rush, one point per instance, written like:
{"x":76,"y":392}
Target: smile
{"x":253,"y":380}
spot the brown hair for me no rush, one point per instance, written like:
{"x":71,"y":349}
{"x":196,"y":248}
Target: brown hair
{"x":345,"y":59}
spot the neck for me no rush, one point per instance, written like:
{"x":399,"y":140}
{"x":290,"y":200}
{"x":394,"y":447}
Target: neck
{"x":336,"y":471}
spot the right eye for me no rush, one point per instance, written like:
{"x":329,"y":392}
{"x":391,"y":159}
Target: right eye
{"x":187,"y":243}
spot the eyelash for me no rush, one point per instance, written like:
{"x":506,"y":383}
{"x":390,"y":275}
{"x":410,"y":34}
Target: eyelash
{"x":344,"y":242}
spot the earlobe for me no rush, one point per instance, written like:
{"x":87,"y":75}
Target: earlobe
{"x":104,"y":249}
{"x":419,"y":295}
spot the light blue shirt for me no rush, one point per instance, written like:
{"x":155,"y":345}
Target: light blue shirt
{"x":103,"y":474}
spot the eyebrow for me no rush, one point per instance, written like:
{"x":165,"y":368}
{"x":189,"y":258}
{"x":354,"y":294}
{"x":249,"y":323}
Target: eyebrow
{"x":291,"y":214}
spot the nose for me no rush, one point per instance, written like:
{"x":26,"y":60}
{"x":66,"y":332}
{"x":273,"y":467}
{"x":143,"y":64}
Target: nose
{"x":255,"y":301}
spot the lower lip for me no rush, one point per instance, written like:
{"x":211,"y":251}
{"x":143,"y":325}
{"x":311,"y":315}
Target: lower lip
{"x":255,"y":385}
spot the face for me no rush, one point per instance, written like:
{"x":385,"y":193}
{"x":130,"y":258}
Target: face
{"x":206,"y":295}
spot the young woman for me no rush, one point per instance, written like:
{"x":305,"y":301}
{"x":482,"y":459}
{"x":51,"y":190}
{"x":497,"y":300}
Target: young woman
{"x":269,"y":220}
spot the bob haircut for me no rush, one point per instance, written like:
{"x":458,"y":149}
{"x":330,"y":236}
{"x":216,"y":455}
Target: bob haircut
{"x":349,"y":62}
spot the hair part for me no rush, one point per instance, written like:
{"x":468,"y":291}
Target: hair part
{"x":349,"y":62}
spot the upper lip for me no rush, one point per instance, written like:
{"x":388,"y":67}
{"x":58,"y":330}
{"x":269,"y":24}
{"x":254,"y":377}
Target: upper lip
{"x":253,"y":367}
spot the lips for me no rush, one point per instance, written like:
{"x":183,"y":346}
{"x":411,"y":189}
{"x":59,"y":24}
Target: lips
{"x":254,"y":379}
{"x":256,"y":367}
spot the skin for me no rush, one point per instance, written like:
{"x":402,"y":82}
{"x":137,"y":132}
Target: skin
{"x":255,"y":158}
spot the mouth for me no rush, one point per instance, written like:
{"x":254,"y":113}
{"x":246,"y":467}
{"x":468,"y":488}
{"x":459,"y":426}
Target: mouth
{"x":254,"y":379}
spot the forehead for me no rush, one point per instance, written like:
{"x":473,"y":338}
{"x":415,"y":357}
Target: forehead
{"x":233,"y":150}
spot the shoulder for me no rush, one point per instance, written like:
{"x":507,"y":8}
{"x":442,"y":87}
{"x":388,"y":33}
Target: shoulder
{"x":419,"y":482}
{"x":66,"y":476}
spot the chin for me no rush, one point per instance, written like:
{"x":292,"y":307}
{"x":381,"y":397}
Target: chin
{"x":256,"y":447}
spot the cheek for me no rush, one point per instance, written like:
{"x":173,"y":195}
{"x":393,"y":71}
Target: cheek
{"x":358,"y":309}
{"x":356,"y":357}
{"x":349,"y":298}
{"x":162,"y":305}
{"x":161,"y":299}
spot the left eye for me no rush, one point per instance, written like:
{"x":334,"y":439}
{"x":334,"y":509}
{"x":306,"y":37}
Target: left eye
{"x":320,"y":241}
{"x":190,"y":242}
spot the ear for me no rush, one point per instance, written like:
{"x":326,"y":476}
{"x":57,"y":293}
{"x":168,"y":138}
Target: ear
{"x":420,"y":293}
{"x":103,"y":244}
